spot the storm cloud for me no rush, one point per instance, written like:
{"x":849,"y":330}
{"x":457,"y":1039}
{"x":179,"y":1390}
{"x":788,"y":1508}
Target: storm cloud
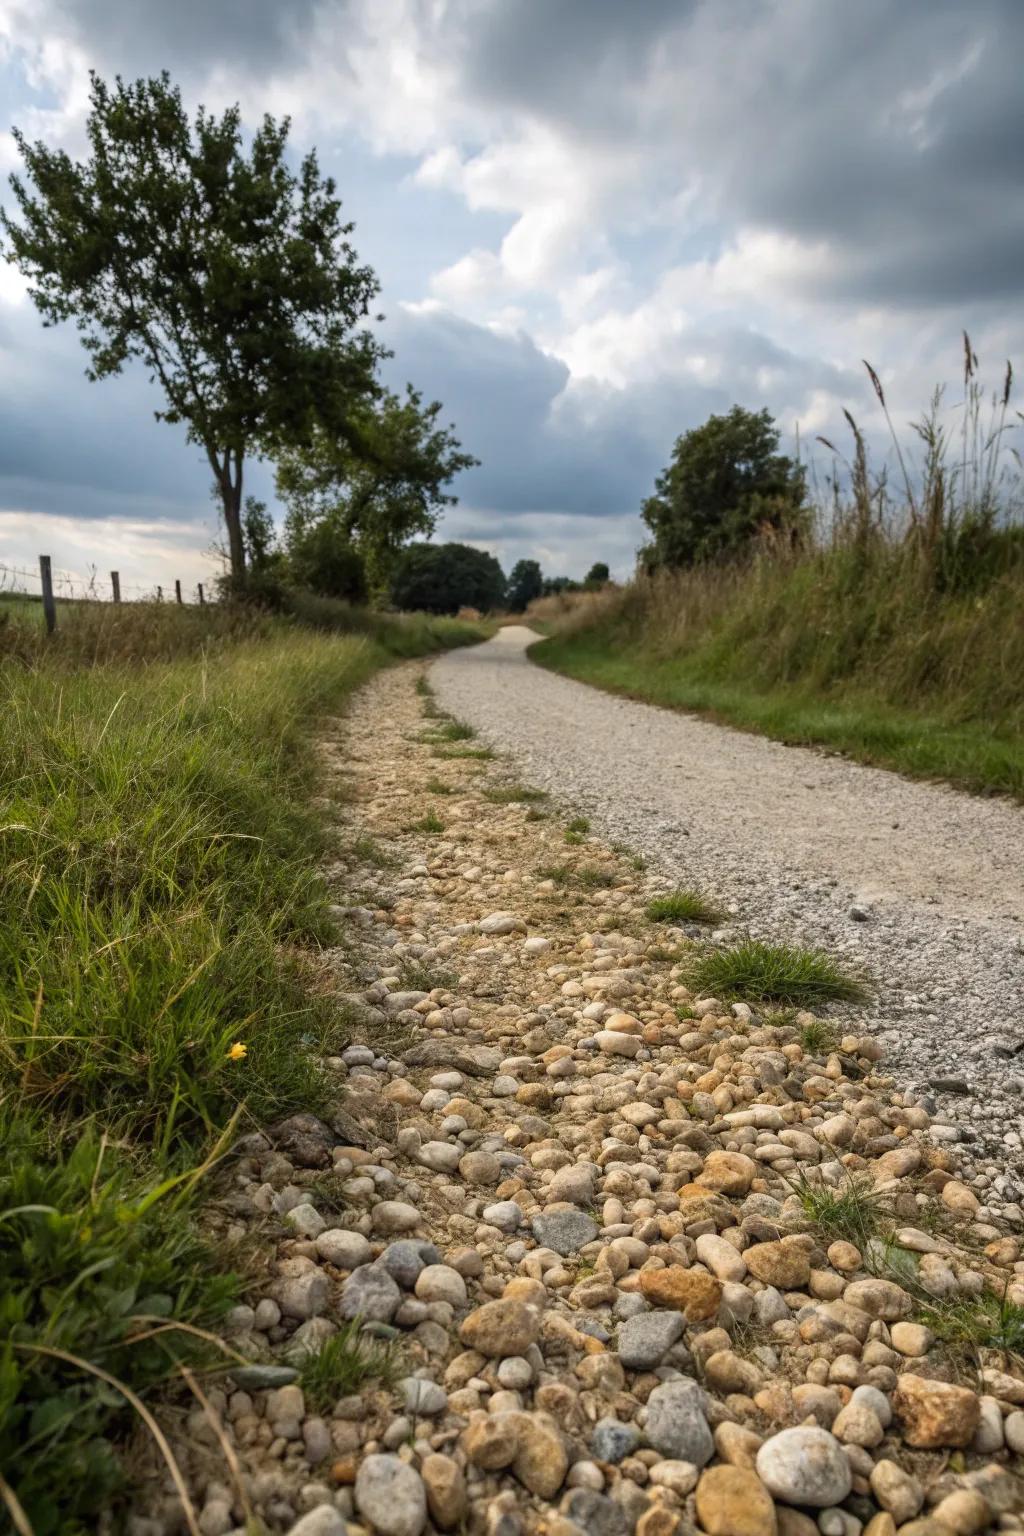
{"x":594,"y":223}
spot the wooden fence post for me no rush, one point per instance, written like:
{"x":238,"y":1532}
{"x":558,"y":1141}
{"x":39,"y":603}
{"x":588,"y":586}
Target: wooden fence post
{"x":159,"y":594}
{"x":202,"y":599}
{"x":115,"y":585}
{"x":177,"y":591}
{"x":49,"y":606}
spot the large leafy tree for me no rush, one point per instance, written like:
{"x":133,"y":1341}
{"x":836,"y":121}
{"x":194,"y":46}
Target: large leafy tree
{"x":726,"y":484}
{"x":226,"y":272}
{"x":525,"y":582}
{"x":377,"y":484}
{"x":442,"y":578}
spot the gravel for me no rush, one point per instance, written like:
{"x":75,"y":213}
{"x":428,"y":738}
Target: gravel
{"x":919,"y":885}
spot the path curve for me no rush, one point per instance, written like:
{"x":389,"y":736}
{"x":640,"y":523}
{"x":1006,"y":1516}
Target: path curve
{"x":793,"y":840}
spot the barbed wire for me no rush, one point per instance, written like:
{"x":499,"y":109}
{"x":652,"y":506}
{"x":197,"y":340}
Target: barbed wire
{"x":70,"y":585}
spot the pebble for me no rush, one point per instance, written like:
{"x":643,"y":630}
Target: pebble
{"x":804,"y":1466}
{"x":677,"y":1425}
{"x":391,"y":1496}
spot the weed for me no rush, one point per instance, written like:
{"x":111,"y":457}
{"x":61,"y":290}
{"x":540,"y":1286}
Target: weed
{"x":852,"y":1211}
{"x":512,"y":794}
{"x":431,"y":823}
{"x":779,"y":1018}
{"x":683,"y":907}
{"x":478,"y":754}
{"x":589,"y":877}
{"x":342,"y":1364}
{"x":416,"y":977}
{"x":450,"y":730}
{"x":367,"y":850}
{"x":773,"y":973}
{"x":984,"y":1322}
{"x":818,"y":1037}
{"x":576,"y":831}
{"x":439,"y":787}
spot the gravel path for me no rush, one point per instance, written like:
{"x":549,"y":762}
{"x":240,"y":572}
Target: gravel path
{"x":921,"y":885}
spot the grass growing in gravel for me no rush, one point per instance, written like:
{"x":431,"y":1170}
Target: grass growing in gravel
{"x":817,"y":1037}
{"x":473,"y":754}
{"x":773,"y":973}
{"x":683,"y":907}
{"x":979,"y":1322}
{"x":430,"y":823}
{"x":439,"y":787}
{"x":513,"y":794}
{"x":157,"y":880}
{"x":852,"y":1211}
{"x":450,"y":730}
{"x":369,"y":851}
{"x":343,"y":1364}
{"x":587,"y":877}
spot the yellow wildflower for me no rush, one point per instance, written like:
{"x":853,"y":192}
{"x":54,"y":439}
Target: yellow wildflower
{"x":238,"y":1051}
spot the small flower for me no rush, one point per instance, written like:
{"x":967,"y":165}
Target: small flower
{"x":238,"y":1051}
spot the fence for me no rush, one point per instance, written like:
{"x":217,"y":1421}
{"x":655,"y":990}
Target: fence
{"x":49,"y":585}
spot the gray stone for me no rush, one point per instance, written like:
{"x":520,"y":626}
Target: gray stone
{"x":301,"y":1289}
{"x":565,"y":1231}
{"x":611,"y":1440}
{"x":506,"y":1215}
{"x":805,"y":1466}
{"x":425,"y":1398}
{"x":322,"y":1521}
{"x":370,"y":1292}
{"x":596,"y":1514}
{"x":345,"y":1250}
{"x":404,"y":1260}
{"x":645,"y":1340}
{"x":390,"y":1496}
{"x":677,"y":1425}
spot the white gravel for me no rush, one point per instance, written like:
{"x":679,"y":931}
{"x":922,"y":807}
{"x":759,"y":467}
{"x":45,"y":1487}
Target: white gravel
{"x":794,"y":841}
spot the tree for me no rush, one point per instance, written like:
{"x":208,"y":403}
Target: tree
{"x":442,"y":578}
{"x":726,"y":484}
{"x":597,"y":576}
{"x":322,"y":557}
{"x":378,"y":484}
{"x":228,"y":274}
{"x":524,"y":584}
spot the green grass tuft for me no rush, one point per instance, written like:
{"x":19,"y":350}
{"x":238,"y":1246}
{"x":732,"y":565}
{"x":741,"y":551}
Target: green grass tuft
{"x":683,"y":907}
{"x":818,"y":1037}
{"x":512,"y":794}
{"x":431,"y":823}
{"x":773,"y":973}
{"x":344,"y":1363}
{"x":852,"y":1211}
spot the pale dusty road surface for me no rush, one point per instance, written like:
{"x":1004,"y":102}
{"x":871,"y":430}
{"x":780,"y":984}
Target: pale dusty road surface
{"x":795,"y":843}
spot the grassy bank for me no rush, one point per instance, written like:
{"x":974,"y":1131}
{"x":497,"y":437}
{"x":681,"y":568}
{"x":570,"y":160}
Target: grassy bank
{"x":158,"y":885}
{"x":819,"y":650}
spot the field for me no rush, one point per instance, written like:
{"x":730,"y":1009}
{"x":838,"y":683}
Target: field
{"x":159,"y":890}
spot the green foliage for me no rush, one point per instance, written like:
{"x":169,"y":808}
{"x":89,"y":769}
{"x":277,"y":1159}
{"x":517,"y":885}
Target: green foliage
{"x":367,"y":490}
{"x":513,"y":794}
{"x":979,"y":1322}
{"x":727,"y":484}
{"x":322,"y":557}
{"x":773,"y":973}
{"x":597,"y":576}
{"x":94,"y":1259}
{"x":588,"y":877}
{"x":450,"y":730}
{"x":431,"y":822}
{"x":683,"y":907}
{"x":442,"y":578}
{"x":226,"y":272}
{"x":817,"y":1037}
{"x":525,"y":583}
{"x":852,"y":1211}
{"x":343,"y":1364}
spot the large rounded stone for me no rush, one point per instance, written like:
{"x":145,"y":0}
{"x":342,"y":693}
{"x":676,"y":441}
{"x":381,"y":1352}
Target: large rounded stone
{"x":370,"y":1292}
{"x":732,"y":1501}
{"x":805,"y":1466}
{"x":691,"y":1291}
{"x":565,"y":1229}
{"x":390,"y":1496}
{"x":782,"y":1264}
{"x":500,"y":1328}
{"x":936,"y":1413}
{"x":729,"y":1173}
{"x":677,"y":1425}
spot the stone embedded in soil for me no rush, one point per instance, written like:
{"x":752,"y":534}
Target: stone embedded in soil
{"x":693,"y":1292}
{"x":732,"y":1501}
{"x":566,"y":1230}
{"x":935,"y":1413}
{"x":805,"y":1466}
{"x":677,"y":1423}
{"x":499,"y":1328}
{"x":390,"y":1495}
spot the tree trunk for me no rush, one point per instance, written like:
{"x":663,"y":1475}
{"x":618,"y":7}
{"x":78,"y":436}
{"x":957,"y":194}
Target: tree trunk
{"x":231,"y":500}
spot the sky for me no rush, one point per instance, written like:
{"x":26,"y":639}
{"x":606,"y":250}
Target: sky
{"x":595,"y":223}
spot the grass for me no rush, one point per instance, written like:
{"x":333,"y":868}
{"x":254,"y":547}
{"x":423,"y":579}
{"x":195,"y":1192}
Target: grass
{"x":513,"y":794}
{"x":984,"y":1322}
{"x":817,"y":1038}
{"x":430,"y":823}
{"x":683,"y":907}
{"x":853,"y":1211}
{"x":450,"y":730}
{"x":473,"y":754}
{"x":439,"y":787}
{"x":576,"y":831}
{"x":343,"y":1364}
{"x":158,"y":884}
{"x":773,"y":973}
{"x":369,"y":851}
{"x":587,"y":877}
{"x":417,"y":977}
